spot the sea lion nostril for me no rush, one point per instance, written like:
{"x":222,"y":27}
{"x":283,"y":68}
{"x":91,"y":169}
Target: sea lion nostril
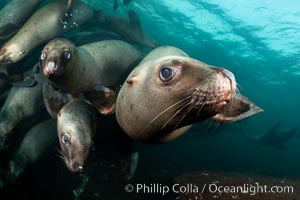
{"x":51,"y":65}
{"x":77,"y":167}
{"x":231,"y":77}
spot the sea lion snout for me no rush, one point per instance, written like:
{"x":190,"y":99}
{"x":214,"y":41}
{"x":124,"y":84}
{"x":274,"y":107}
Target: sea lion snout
{"x":50,"y":67}
{"x":55,"y":55}
{"x":75,"y":155}
{"x":75,"y":166}
{"x":76,"y":125}
{"x":5,"y":57}
{"x":220,"y":87}
{"x":231,"y":77}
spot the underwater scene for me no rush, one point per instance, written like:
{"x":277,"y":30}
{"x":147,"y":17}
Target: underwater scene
{"x":149,"y":99}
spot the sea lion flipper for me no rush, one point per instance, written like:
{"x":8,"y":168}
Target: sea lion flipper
{"x":129,"y":164}
{"x":69,"y":7}
{"x":134,"y":19}
{"x":240,"y":108}
{"x":54,"y":100}
{"x":129,"y":154}
{"x":28,"y":81}
{"x":103,"y":98}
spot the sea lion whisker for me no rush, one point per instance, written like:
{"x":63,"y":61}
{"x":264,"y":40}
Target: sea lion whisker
{"x":191,"y":107}
{"x":62,"y":155}
{"x":185,"y":114}
{"x":213,"y":125}
{"x":175,"y":104}
{"x":238,"y":86}
{"x":177,"y":112}
{"x":236,"y":95}
{"x":232,"y":102}
{"x":200,"y":109}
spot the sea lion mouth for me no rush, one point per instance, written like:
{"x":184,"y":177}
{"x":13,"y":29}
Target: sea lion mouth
{"x":72,"y":164}
{"x":75,"y":167}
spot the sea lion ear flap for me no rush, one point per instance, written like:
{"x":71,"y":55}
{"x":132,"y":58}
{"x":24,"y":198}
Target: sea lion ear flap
{"x":239,"y":108}
{"x":134,"y":19}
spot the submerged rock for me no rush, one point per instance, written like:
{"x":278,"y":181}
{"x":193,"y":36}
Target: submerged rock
{"x":228,"y":186}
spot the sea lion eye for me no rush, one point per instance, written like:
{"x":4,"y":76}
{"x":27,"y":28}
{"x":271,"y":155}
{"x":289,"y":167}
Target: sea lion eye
{"x":65,"y":138}
{"x":67,"y":55}
{"x":9,"y":60}
{"x":43,"y":55}
{"x":166,"y":73}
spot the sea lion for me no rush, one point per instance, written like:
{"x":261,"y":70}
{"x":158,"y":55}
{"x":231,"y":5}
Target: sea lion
{"x":81,"y":128}
{"x":21,"y":104}
{"x":16,"y":74}
{"x":45,"y":24}
{"x":116,"y":3}
{"x":13,"y":15}
{"x":130,"y":30}
{"x":275,"y":137}
{"x":76,"y":126}
{"x":37,"y":141}
{"x":94,"y":70}
{"x":169,"y":91}
{"x":86,"y":37}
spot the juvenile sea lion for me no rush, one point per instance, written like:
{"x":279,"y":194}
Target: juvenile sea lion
{"x":16,"y":74}
{"x":116,"y":3}
{"x":129,"y":29}
{"x":13,"y":15}
{"x":275,"y":137}
{"x":76,"y":126}
{"x":45,"y":24}
{"x":21,"y":103}
{"x":87,"y":37}
{"x":81,"y":128}
{"x":168,"y":91}
{"x":94,"y":71}
{"x":37,"y":141}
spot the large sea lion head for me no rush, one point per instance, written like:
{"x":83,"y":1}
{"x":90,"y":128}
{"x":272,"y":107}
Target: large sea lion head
{"x":55,"y":56}
{"x":166,"y":93}
{"x":76,"y":124}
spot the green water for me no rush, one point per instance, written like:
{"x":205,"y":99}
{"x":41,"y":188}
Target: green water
{"x":259,"y":42}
